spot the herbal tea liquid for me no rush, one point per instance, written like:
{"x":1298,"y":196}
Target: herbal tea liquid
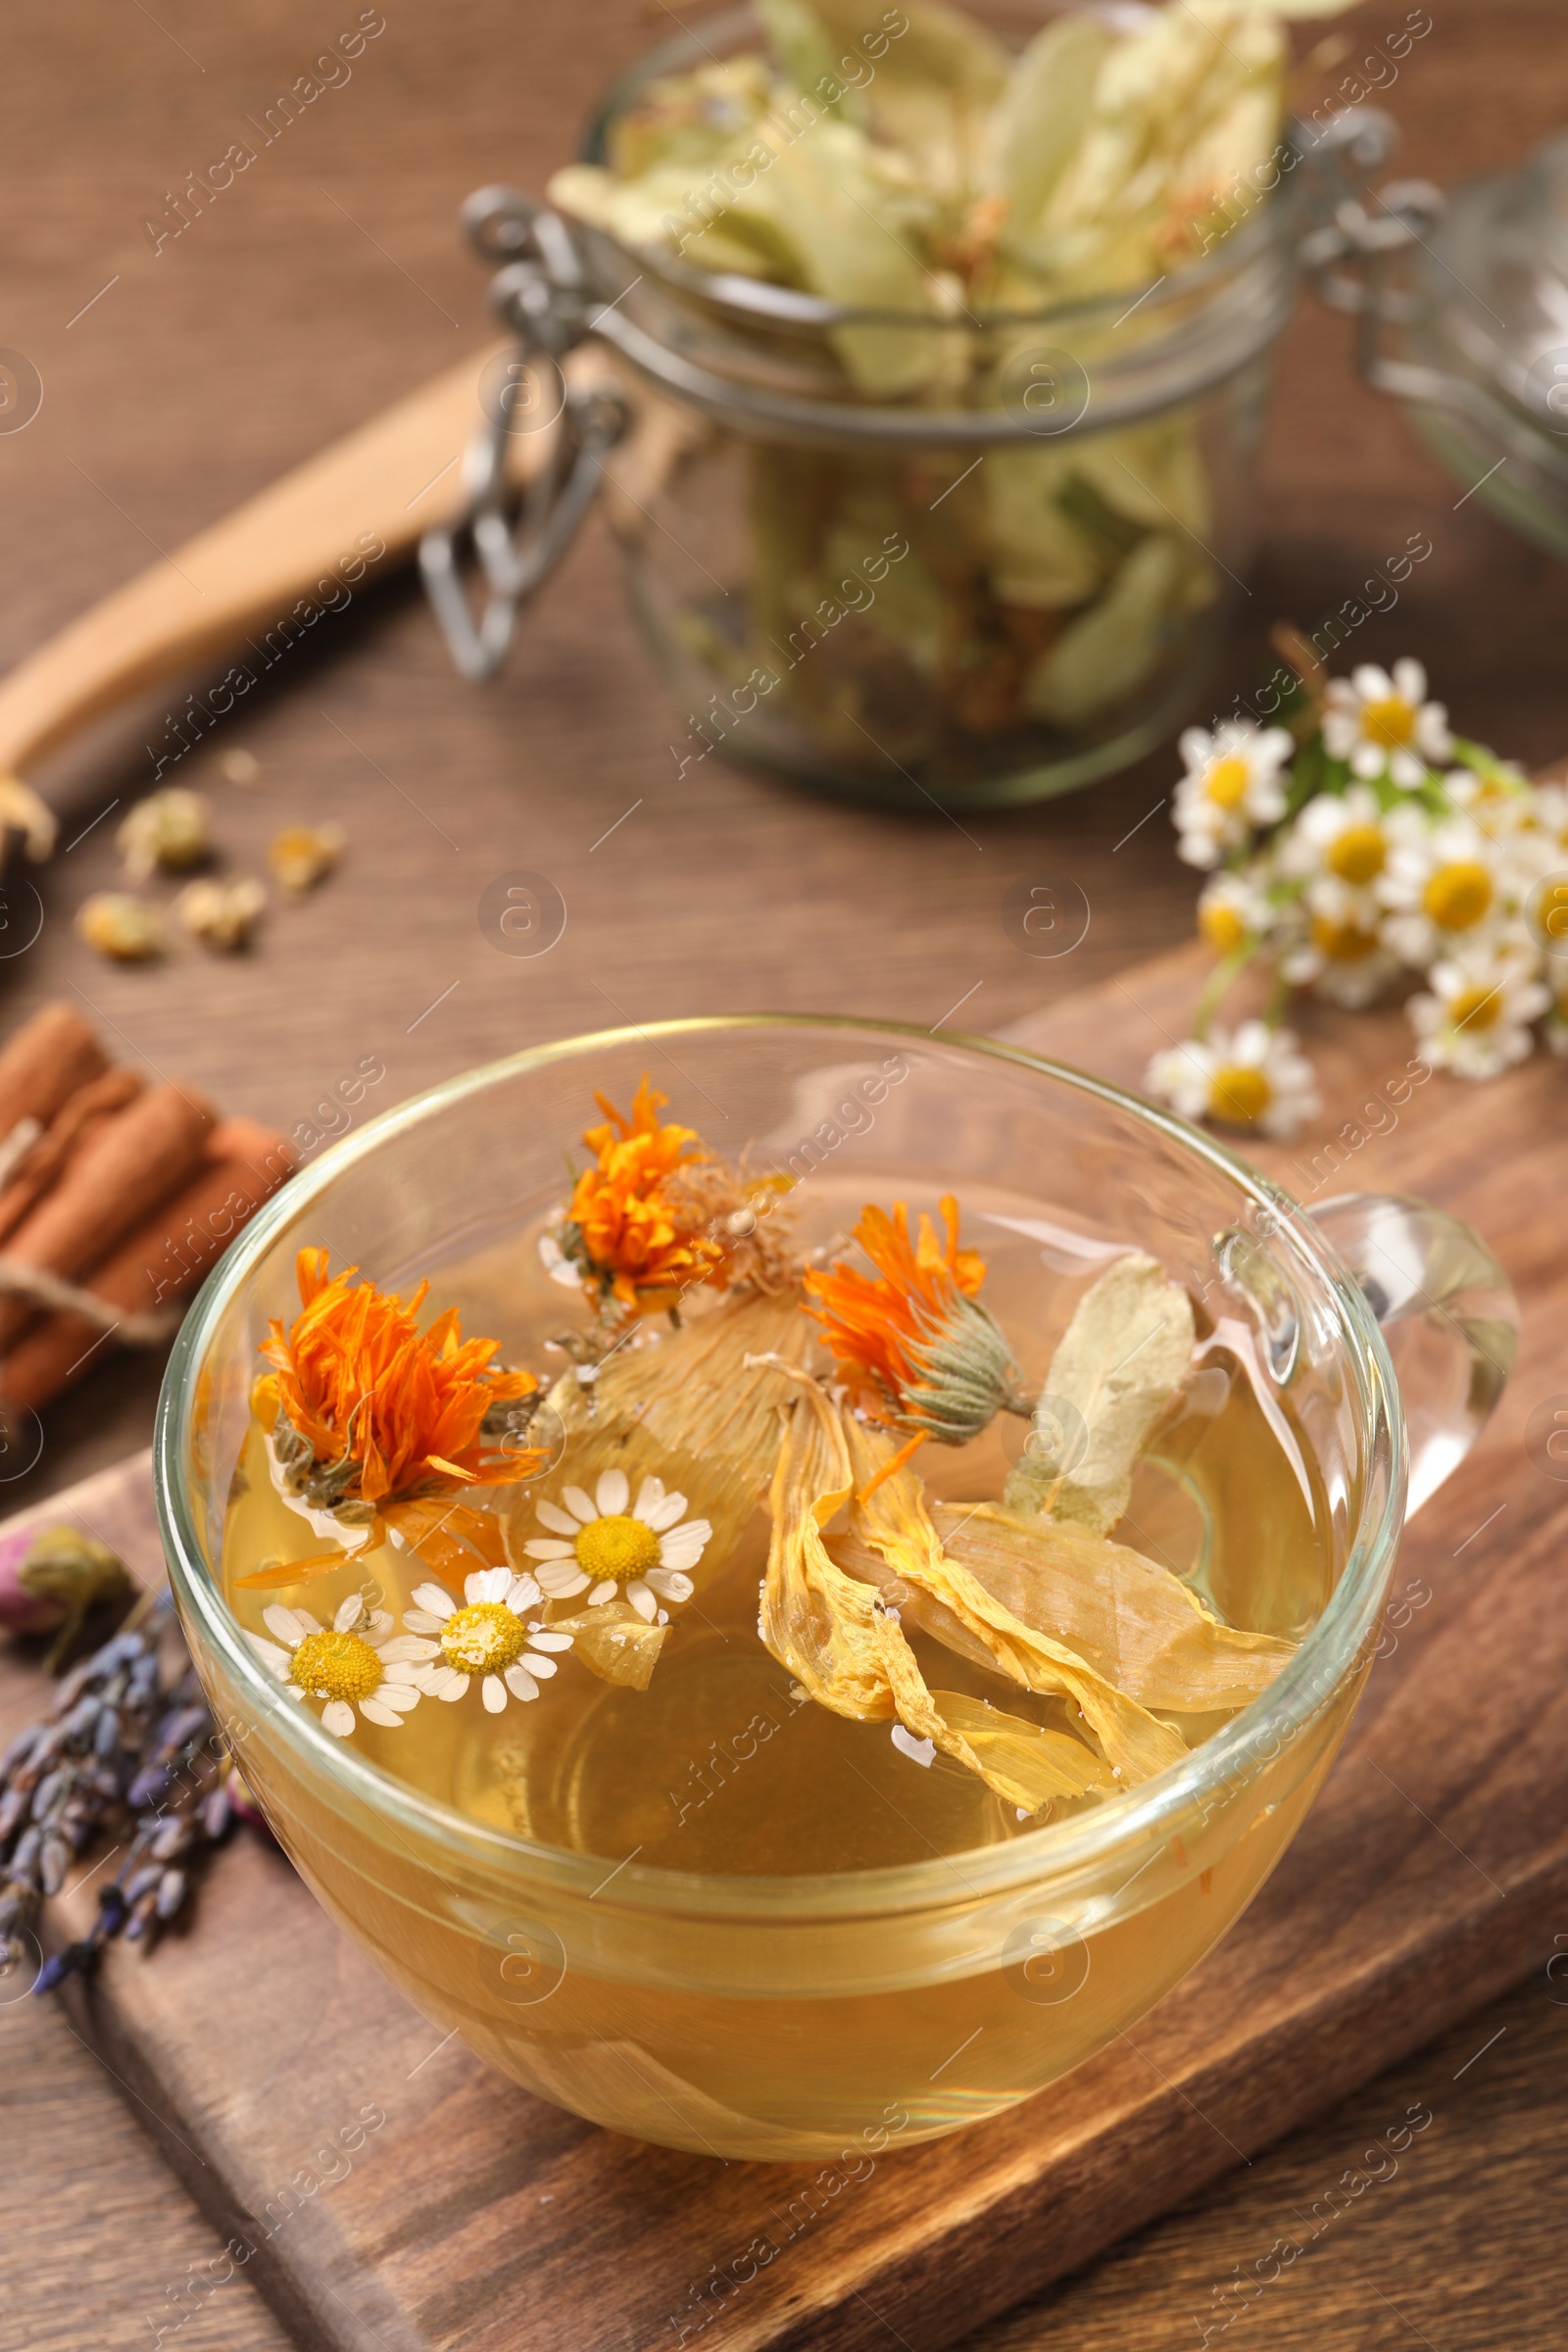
{"x":723,"y":1768}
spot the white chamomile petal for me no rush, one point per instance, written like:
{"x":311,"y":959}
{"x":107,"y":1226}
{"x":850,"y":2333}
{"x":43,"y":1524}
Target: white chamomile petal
{"x":551,"y":1514}
{"x":524,"y":1593}
{"x":664,"y":1514}
{"x":337,"y":1717}
{"x":404,"y":1649}
{"x":560,"y":1579}
{"x":684,"y":1547}
{"x":543,"y":1667}
{"x":376,"y":1710}
{"x":448,"y":1683}
{"x":521,"y":1683}
{"x":269,"y":1654}
{"x":377,"y":1626}
{"x":543,"y":1638}
{"x":580,"y":1505}
{"x":612,"y":1494}
{"x":671,"y":1584}
{"x":396,"y":1698}
{"x":641,"y":1596}
{"x":494,"y":1584}
{"x":494,"y":1694}
{"x":280,"y":1621}
{"x":437,"y":1599}
{"x":422,"y":1621}
{"x":650,"y":1494}
{"x":546,"y":1547}
{"x":348,"y":1614}
{"x":604,"y":1590}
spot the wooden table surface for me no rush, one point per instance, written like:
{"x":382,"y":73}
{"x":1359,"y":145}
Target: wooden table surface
{"x":325,"y":282}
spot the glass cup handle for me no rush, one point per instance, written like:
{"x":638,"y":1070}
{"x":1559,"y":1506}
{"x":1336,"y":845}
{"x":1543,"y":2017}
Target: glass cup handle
{"x":1448,"y":1311}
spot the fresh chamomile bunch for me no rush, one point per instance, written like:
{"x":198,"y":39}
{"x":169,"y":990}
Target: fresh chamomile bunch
{"x":1357,"y":846}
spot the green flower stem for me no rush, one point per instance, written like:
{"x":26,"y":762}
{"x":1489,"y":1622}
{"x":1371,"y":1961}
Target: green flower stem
{"x":1219,"y":980}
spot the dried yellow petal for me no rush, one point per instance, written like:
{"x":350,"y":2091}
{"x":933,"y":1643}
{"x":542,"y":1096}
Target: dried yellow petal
{"x":121,"y":927}
{"x":302,"y":856}
{"x":223,"y":914}
{"x":845,"y":1649}
{"x":1119,"y":1362}
{"x":613,"y":1641}
{"x":1131,"y":1619}
{"x":168,"y":829}
{"x":894,"y":1526}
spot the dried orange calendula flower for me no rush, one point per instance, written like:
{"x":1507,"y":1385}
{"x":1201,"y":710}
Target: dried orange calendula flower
{"x":912,"y":1342}
{"x":301,"y":855}
{"x":627,"y":1229}
{"x":373,"y":1418}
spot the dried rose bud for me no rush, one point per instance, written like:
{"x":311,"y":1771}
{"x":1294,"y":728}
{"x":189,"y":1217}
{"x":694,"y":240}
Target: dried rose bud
{"x":51,"y":1578}
{"x":223,"y":914}
{"x":301,"y":855}
{"x":122,"y":927}
{"x":168,"y":829}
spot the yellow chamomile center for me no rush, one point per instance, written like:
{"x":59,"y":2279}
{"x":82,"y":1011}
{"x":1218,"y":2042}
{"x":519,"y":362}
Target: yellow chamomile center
{"x":1475,"y":1008}
{"x":1221,"y":925}
{"x":1458,"y":896}
{"x":1239,"y":1093}
{"x":1226,"y":782}
{"x":484,"y":1638}
{"x":1357,"y":854}
{"x":1390,"y":722}
{"x":617,"y":1547}
{"x":336,"y":1666}
{"x":1342,"y":943}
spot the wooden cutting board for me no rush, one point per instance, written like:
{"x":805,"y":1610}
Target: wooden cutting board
{"x":384,"y":2188}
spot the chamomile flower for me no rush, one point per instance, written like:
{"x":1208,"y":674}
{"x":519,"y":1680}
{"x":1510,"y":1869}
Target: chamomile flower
{"x":1256,"y":1079}
{"x":606,"y":1545}
{"x":1233,"y":783}
{"x":1231,"y":908}
{"x":1340,"y":838}
{"x":1476,"y":1018}
{"x":358,"y":1661}
{"x":485,"y":1634}
{"x":1339,"y":954}
{"x":1385,"y":725}
{"x":1440,"y":885}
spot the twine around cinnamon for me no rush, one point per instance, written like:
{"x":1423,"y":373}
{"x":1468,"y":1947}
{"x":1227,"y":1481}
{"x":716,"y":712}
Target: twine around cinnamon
{"x":58,"y":1297}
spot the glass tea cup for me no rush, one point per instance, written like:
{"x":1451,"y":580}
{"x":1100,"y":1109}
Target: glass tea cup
{"x":774,"y":2017}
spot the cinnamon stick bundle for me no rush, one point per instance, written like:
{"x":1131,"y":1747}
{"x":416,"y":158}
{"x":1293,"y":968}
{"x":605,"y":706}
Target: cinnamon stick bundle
{"x":49,"y":1058}
{"x":132,"y":1163}
{"x":164,"y":1258}
{"x":69,"y":1131}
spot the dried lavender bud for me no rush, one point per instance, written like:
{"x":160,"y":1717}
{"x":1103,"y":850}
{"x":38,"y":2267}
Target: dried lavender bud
{"x":54,"y":1864}
{"x":142,"y":1881}
{"x":147,"y":1787}
{"x":171,"y":1893}
{"x":106,"y":1737}
{"x":216,"y":1813}
{"x":172,"y":1838}
{"x":26,"y":1854}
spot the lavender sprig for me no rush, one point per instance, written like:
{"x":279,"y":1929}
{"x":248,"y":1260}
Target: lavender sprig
{"x":128,"y":1751}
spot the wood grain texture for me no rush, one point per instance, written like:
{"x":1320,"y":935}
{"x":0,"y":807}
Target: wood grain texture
{"x":1427,"y":1877}
{"x":275,"y":323}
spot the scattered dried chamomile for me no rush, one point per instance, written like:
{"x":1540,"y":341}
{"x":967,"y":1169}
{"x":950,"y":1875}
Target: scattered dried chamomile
{"x":302,"y":856}
{"x":169,"y":829}
{"x":239,"y":767}
{"x":223,"y":914}
{"x":123,"y":927}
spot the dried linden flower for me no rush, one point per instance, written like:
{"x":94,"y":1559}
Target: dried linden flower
{"x":167,"y":829}
{"x":301,"y":855}
{"x":123,"y":928}
{"x":223,"y":914}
